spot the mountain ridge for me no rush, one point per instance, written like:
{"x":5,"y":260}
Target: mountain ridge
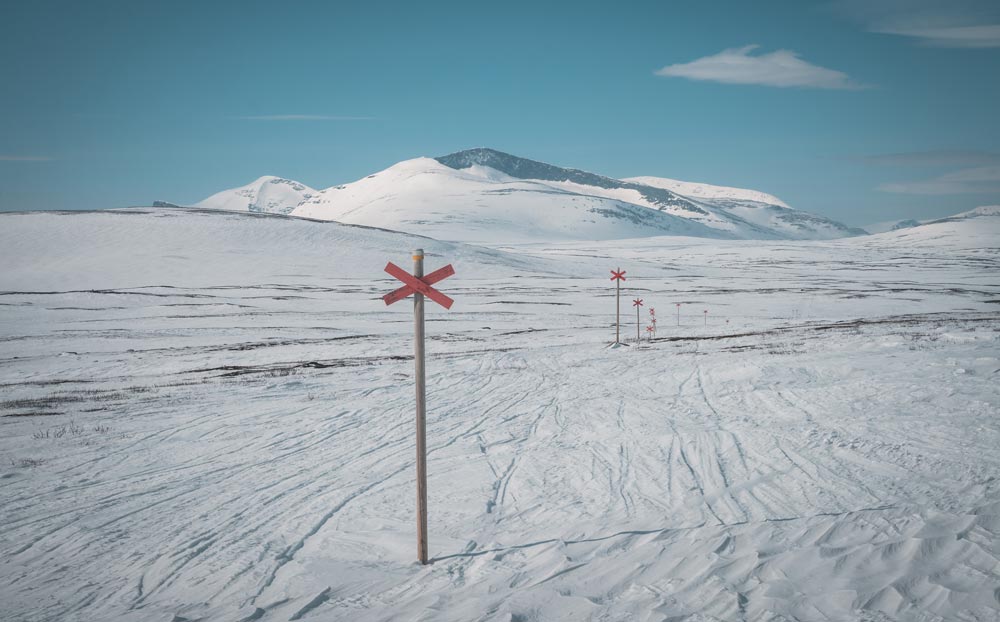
{"x":486,"y":195}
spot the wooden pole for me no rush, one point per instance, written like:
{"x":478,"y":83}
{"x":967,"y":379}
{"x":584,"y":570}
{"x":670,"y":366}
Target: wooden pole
{"x":418,"y":352}
{"x":637,"y":323}
{"x":618,"y":309}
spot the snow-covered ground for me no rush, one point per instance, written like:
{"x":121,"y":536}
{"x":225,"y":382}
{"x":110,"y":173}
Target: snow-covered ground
{"x":208,"y":416}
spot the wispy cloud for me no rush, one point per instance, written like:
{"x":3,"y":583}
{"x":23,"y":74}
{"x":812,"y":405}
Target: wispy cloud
{"x":24,"y":158}
{"x":302,"y":117}
{"x":977,"y":180}
{"x":937,"y":157}
{"x":940,"y":23}
{"x":781,"y":68}
{"x":978,"y":172}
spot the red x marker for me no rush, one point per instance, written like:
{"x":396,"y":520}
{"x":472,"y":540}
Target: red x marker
{"x":413,"y":285}
{"x":618,"y":276}
{"x":637,"y":302}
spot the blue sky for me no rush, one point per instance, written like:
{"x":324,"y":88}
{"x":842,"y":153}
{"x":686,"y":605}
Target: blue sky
{"x":861,"y":111}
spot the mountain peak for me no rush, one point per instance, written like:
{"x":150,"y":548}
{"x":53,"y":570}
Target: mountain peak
{"x":523,"y":168}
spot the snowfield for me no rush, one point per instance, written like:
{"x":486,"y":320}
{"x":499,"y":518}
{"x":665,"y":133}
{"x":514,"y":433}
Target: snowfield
{"x":209,"y":416}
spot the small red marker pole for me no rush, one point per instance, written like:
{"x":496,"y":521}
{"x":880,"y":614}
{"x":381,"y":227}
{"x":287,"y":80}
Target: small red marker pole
{"x":706,"y":317}
{"x":420,"y":286}
{"x":678,"y":314}
{"x":618,"y":276}
{"x":637,"y":303}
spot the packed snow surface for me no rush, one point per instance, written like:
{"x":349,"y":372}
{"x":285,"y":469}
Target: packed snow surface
{"x":209,"y":416}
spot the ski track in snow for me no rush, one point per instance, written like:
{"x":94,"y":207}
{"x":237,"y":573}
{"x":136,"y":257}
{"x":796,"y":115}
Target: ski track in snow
{"x":244,"y":451}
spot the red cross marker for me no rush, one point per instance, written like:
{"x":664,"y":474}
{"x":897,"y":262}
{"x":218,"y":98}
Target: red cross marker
{"x":637,"y":303}
{"x":413,"y":285}
{"x":420,"y":286}
{"x":618,"y":276}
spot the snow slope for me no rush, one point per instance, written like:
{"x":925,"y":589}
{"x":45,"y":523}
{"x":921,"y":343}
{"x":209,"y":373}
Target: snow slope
{"x":486,"y":196}
{"x":483,"y":205}
{"x":731,"y":216}
{"x":209,"y":416}
{"x":708,"y":191}
{"x":976,"y":228}
{"x":762,"y":210}
{"x":269,"y":194}
{"x":892,"y":225}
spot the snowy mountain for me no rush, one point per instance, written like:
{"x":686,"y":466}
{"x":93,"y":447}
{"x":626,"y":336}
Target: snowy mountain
{"x":487,"y":205}
{"x":763,"y":210}
{"x":708,"y":191}
{"x":976,"y":228}
{"x":269,"y":194}
{"x":484,"y":195}
{"x":487,"y":196}
{"x":892,"y":225}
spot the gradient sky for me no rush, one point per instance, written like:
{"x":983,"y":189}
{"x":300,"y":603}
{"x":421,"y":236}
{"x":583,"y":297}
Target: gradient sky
{"x":860,"y":111}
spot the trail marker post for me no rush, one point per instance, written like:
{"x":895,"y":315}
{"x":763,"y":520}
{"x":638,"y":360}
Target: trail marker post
{"x":420,"y":286}
{"x":650,"y":329}
{"x":678,"y":314}
{"x":652,"y":319}
{"x":637,"y":303}
{"x":706,"y":317}
{"x":618,"y":276}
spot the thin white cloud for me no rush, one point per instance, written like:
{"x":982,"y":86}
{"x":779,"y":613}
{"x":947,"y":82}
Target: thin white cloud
{"x":987,"y":36}
{"x":937,"y":157}
{"x":939,"y":23}
{"x":24,"y":158}
{"x":781,"y":68}
{"x":302,"y":117}
{"x":977,"y":180}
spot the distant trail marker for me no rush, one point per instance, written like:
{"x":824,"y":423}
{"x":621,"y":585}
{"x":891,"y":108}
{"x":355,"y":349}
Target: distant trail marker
{"x":637,"y":303}
{"x":420,"y":286}
{"x":706,"y":317}
{"x":650,"y":329}
{"x":652,"y":319}
{"x":678,"y":314}
{"x":618,"y":277}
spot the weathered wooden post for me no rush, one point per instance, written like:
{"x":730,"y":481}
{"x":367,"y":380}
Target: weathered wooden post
{"x":420,"y":286}
{"x":420,"y":381}
{"x":618,"y":277}
{"x":637,"y":303}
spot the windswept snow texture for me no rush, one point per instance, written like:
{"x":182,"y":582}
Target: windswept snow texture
{"x":273,"y":195}
{"x":209,"y":416}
